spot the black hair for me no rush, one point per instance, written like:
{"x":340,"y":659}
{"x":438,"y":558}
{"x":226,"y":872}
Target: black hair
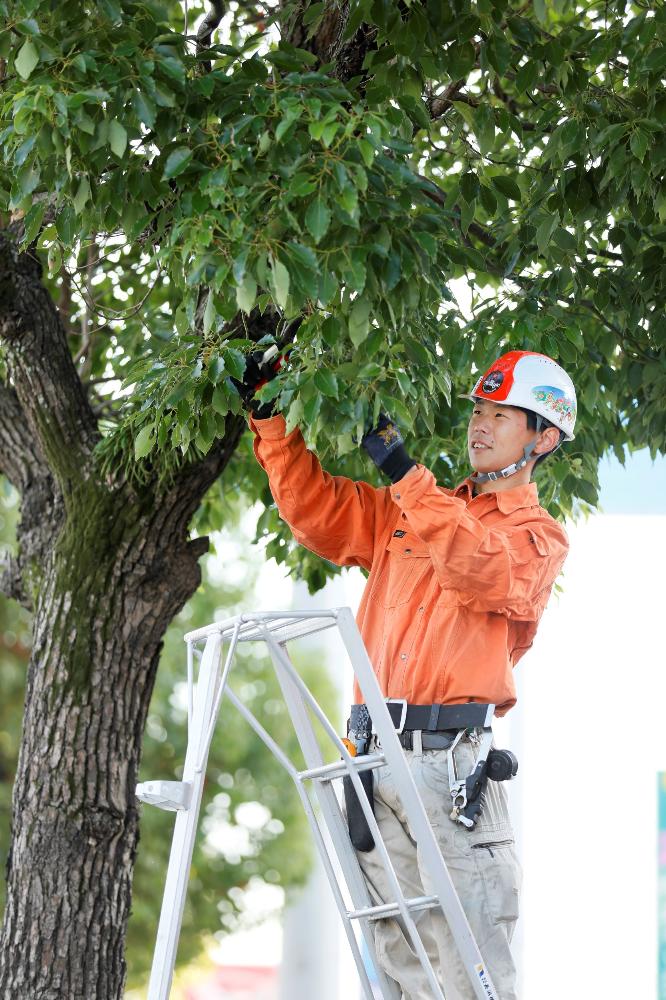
{"x":532,"y":426}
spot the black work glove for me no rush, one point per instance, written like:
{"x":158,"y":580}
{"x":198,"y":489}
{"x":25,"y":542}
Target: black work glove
{"x":259,"y":369}
{"x":386,"y":448}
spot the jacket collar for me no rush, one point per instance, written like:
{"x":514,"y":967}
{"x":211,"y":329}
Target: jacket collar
{"x":506,"y":500}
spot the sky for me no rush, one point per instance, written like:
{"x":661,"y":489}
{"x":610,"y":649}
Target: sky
{"x":637,"y":488}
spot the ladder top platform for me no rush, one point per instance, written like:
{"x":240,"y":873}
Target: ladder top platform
{"x":283,"y":625}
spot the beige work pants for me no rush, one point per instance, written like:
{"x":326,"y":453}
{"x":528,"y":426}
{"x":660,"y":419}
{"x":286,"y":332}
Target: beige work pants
{"x":482,"y":864}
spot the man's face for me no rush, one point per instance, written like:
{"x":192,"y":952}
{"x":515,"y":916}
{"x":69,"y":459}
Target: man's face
{"x":496,"y":435}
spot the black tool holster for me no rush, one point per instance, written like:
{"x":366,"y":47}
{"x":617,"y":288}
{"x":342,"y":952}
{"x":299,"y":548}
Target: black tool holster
{"x":359,"y":730}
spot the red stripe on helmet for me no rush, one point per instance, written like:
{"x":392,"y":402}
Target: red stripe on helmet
{"x":497,"y":381}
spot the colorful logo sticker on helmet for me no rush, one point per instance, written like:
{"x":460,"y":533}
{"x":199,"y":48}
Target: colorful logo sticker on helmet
{"x":493,"y":381}
{"x":556,"y":400}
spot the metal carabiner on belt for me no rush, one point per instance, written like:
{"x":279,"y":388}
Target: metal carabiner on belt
{"x":467,"y":793}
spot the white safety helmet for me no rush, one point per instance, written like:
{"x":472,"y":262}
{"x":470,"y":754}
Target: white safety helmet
{"x":533,"y":382}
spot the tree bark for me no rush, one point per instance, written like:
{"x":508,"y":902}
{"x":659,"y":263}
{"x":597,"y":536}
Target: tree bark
{"x":106,"y":566}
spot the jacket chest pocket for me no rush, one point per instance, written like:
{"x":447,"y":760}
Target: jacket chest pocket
{"x":405,"y":565}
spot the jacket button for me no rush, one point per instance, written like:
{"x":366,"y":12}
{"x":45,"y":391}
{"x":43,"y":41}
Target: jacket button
{"x":397,"y":496}
{"x":403,"y":656}
{"x":408,"y":550}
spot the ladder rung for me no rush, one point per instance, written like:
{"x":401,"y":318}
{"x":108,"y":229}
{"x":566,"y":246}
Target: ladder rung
{"x":338,"y":769}
{"x":392,"y":909}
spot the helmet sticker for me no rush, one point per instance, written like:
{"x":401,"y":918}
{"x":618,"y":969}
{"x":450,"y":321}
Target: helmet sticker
{"x":555,"y":399}
{"x":493,"y":381}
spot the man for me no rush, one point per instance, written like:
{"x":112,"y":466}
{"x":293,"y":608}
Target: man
{"x":458,"y":580}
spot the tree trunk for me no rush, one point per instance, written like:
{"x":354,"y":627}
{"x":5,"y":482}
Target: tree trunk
{"x":111,"y":588}
{"x":120,"y":572}
{"x":105,"y":566}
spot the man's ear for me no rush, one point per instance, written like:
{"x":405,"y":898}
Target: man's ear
{"x":547,"y":440}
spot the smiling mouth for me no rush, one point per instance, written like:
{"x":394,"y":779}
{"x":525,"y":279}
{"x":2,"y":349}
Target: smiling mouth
{"x":477,"y":446}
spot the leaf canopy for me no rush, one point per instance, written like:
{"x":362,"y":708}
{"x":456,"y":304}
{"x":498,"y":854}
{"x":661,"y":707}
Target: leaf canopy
{"x":190,"y":204}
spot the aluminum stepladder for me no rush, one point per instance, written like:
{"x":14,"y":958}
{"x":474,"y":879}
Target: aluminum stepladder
{"x":205,"y":696}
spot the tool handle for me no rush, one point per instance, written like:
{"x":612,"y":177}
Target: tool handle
{"x":475,"y":787}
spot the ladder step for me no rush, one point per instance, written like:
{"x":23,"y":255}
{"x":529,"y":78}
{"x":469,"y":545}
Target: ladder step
{"x":338,"y":769}
{"x":169,"y":795}
{"x":392,"y":909}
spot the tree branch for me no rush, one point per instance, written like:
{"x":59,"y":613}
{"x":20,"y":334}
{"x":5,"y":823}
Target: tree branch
{"x":192,"y":481}
{"x":47,"y":386}
{"x":208,"y":26}
{"x":440,"y":104}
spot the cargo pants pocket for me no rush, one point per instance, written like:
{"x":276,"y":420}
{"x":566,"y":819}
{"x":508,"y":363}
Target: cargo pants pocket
{"x":500,"y":876}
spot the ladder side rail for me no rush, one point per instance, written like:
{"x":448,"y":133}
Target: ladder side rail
{"x":185,"y":828}
{"x":205,"y":747}
{"x":190,"y":689}
{"x":269,"y":742}
{"x":380,"y":846}
{"x":450,"y":903}
{"x":292,"y":687}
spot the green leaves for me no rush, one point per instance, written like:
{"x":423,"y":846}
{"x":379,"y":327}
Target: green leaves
{"x":279,"y":282}
{"x":26,"y":59}
{"x":639,"y":143}
{"x":507,"y":186}
{"x":544,"y":233}
{"x":318,"y":219}
{"x":176,"y":162}
{"x":359,"y":321}
{"x":82,"y":194}
{"x":145,"y":109}
{"x":117,"y":138}
{"x":326,"y":382}
{"x":144,"y":441}
{"x":246,"y":294}
{"x":346,"y":210}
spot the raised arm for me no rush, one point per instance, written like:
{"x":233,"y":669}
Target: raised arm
{"x":333,"y":516}
{"x":508,"y":569}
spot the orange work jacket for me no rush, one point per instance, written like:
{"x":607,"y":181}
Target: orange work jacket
{"x":457,"y":582}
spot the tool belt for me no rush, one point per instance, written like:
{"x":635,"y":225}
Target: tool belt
{"x":429,"y":741}
{"x":441,"y":727}
{"x":435,"y":718}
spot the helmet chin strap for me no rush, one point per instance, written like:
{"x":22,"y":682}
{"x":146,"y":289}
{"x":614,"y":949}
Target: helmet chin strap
{"x":509,"y":470}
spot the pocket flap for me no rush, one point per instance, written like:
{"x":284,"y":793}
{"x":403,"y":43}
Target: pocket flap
{"x":407,"y":544}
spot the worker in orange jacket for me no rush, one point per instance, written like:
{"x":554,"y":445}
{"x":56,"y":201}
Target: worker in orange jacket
{"x":458,"y":580}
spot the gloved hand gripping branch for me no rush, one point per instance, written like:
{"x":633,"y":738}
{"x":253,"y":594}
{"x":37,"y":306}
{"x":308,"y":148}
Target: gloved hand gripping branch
{"x":260,"y":367}
{"x":385,"y":446}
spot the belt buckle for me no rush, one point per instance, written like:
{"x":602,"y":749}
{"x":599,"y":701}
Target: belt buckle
{"x":403,"y":714}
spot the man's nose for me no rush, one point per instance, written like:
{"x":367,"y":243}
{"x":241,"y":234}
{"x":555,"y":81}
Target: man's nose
{"x":480,"y":423}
